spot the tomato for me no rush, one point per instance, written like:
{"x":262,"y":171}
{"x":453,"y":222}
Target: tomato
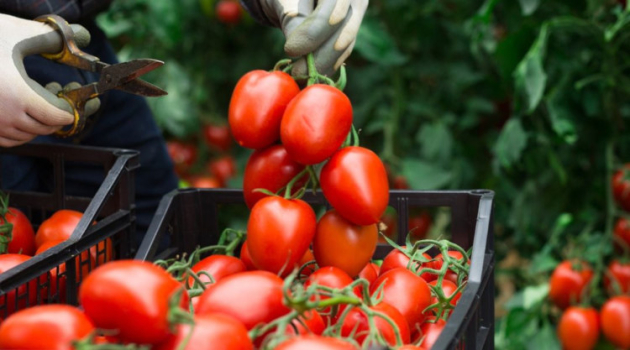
{"x":390,"y":222}
{"x":331,"y":277}
{"x":400,"y":183}
{"x":621,"y":187}
{"x":252,"y":297}
{"x":431,"y":332}
{"x":619,"y":274}
{"x":310,"y":322}
{"x":271,"y":169}
{"x":222,"y":331}
{"x":59,"y":283}
{"x":306,"y":258}
{"x":357,"y":321}
{"x":411,"y":347}
{"x":279,"y":232}
{"x":19,"y":295}
{"x":45,"y":327}
{"x":354,"y":182}
{"x":204,"y":182}
{"x":615,"y":320}
{"x":312,"y":341}
{"x":448,"y":288}
{"x":397,"y":258}
{"x":336,"y":236}
{"x":419,"y":225}
{"x":223,"y":169}
{"x":622,"y":234}
{"x":183,"y":156}
{"x":566,"y":283}
{"x":218,"y":266}
{"x":406,"y":292}
{"x":579,"y":328}
{"x":257,"y":105}
{"x":369,"y":273}
{"x":132,"y":297}
{"x":246,"y":258}
{"x":23,"y":236}
{"x":316,"y":123}
{"x":217,"y":137}
{"x":450,"y":274}
{"x":229,"y":11}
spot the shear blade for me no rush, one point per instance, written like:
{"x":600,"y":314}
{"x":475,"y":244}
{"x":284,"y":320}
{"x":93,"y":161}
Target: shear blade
{"x":124,"y":76}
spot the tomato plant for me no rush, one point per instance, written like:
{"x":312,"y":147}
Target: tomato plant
{"x":579,"y":328}
{"x":567,"y":282}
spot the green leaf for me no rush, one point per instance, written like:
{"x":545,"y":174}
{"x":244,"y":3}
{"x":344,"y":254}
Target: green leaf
{"x":423,"y":175}
{"x":530,"y":77}
{"x":560,"y":118}
{"x":543,"y":263}
{"x":544,"y":339}
{"x":529,"y":6}
{"x":436,"y":141}
{"x":511,"y":143}
{"x":528,"y":298}
{"x":376,"y":45}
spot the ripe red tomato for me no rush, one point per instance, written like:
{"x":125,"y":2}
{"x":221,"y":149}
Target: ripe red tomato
{"x":58,"y":227}
{"x":306,"y":258}
{"x":336,"y":236}
{"x":229,"y":11}
{"x":369,"y":273}
{"x":183,"y":156}
{"x":279,"y":232}
{"x":222,"y":331}
{"x":245,"y":258}
{"x":218,"y":266}
{"x":19,"y":295}
{"x":251,"y":297}
{"x":59,"y":283}
{"x":448,"y":288}
{"x":310,"y":322}
{"x":331,"y":277}
{"x":450,"y":274}
{"x":579,"y":328}
{"x":406,"y":292}
{"x":615,"y":320}
{"x":270,"y":168}
{"x":130,"y":296}
{"x":312,"y":341}
{"x":45,"y":327}
{"x":222,"y":169}
{"x":257,"y":105}
{"x":217,"y":137}
{"x":617,"y":276}
{"x":397,"y":258}
{"x":357,"y":321}
{"x":621,"y":187}
{"x":23,"y":236}
{"x":622,"y":234}
{"x":400,"y":183}
{"x":431,"y":332}
{"x":354,"y":182}
{"x":315,"y":123}
{"x":566,"y":283}
{"x":204,"y":182}
{"x":419,"y":225}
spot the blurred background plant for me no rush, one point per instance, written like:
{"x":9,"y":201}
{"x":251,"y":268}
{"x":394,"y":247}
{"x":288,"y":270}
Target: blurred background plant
{"x":527,"y":98}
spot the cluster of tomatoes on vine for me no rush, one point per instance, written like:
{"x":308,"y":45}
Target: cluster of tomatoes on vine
{"x":580,"y":326}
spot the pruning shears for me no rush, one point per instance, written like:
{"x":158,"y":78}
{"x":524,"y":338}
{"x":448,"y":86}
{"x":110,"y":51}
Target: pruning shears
{"x":121,"y":76}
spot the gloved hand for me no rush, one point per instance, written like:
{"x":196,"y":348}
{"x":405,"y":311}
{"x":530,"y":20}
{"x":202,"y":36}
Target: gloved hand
{"x":26,"y":108}
{"x":329,"y":30}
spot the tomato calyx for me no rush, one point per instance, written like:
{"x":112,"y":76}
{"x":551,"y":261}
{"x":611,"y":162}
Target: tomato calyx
{"x":315,"y":78}
{"x":287,"y":190}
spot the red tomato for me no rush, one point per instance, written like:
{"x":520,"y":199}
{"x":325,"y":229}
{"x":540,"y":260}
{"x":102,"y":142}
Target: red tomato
{"x":406,"y":292}
{"x":331,"y":277}
{"x":45,"y":327}
{"x":357,"y":321}
{"x":615,"y":320}
{"x":354,"y":181}
{"x":315,"y":123}
{"x":450,"y":274}
{"x":431,"y":332}
{"x":223,"y":169}
{"x":7,"y":262}
{"x":23,"y":236}
{"x":132,"y":297}
{"x":217,"y":137}
{"x":271,"y":169}
{"x":336,"y":236}
{"x":222,"y":331}
{"x":312,"y":341}
{"x":369,"y":273}
{"x":579,"y":328}
{"x":246,"y":258}
{"x":397,"y":258}
{"x":311,"y":322}
{"x":59,"y":283}
{"x":566,"y":283}
{"x":411,"y":347}
{"x":306,"y":258}
{"x":448,"y":288}
{"x":619,"y":274}
{"x":257,"y":105}
{"x":218,"y":266}
{"x":279,"y":232}
{"x":419,"y":225}
{"x":400,"y":183}
{"x":183,"y":156}
{"x":621,"y":187}
{"x":252,"y":297}
{"x":204,"y":182}
{"x":229,"y":11}
{"x":622,"y":234}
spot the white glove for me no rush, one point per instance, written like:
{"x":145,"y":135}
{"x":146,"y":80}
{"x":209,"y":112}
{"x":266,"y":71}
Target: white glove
{"x":26,"y":108}
{"x":329,"y":29}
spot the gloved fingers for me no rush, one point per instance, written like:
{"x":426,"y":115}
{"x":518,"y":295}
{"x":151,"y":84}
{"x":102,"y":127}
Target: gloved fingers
{"x":91,"y":106}
{"x":316,"y":28}
{"x":45,"y":39}
{"x":53,"y":87}
{"x":45,"y":107}
{"x":350,"y":30}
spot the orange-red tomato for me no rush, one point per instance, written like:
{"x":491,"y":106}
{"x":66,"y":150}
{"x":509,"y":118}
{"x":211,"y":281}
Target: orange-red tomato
{"x":23,"y":236}
{"x":567,"y":282}
{"x":615,"y":320}
{"x":578,"y":328}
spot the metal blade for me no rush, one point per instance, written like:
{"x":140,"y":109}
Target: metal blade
{"x":118,"y":76}
{"x":143,"y":88}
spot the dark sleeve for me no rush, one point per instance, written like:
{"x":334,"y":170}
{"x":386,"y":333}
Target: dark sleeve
{"x":70,"y":10}
{"x":254,"y":9}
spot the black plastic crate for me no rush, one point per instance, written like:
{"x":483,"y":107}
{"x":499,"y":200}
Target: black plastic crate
{"x":190,"y":218}
{"x":112,"y":207}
